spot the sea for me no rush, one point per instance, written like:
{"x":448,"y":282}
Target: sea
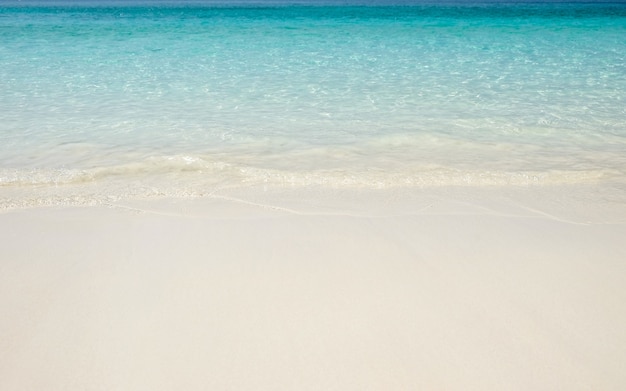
{"x":109,"y":100}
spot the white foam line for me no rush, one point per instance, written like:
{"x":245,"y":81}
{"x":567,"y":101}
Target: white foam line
{"x":296,"y":212}
{"x":567,"y":221}
{"x":210,"y":195}
{"x":535,"y":214}
{"x":257,"y":204}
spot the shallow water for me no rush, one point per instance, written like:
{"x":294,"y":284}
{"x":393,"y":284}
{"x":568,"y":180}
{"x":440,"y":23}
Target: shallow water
{"x":153,"y":98}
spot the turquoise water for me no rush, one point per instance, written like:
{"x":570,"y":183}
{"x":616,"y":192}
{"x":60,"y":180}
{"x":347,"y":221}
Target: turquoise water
{"x":102,"y":100}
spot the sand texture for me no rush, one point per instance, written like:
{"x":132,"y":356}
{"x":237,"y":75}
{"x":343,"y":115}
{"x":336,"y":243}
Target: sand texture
{"x":330,"y":292}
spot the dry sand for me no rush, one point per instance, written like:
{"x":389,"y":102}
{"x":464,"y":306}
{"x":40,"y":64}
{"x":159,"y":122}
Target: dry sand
{"x":416,"y":290}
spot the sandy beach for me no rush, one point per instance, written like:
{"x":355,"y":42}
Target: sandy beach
{"x":293,"y":195}
{"x":446,"y":289}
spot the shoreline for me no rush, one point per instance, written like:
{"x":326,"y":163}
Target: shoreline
{"x":349,"y":290}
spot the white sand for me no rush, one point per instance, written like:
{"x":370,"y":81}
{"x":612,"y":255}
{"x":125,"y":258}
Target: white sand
{"x":438,"y":290}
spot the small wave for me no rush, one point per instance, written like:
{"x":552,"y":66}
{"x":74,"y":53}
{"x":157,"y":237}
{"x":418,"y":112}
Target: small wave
{"x":192,"y":170}
{"x":380,"y":179}
{"x":40,"y":176}
{"x":160,"y":165}
{"x":152,"y":166}
{"x":183,"y":176}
